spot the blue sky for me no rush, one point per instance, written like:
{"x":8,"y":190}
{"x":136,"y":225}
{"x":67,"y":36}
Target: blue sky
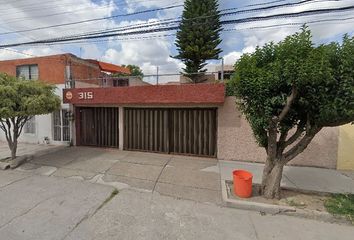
{"x":149,"y":53}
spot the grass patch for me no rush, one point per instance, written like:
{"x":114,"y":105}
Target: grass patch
{"x":341,"y":204}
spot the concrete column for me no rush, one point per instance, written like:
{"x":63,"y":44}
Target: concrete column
{"x":72,"y":124}
{"x":121,"y":128}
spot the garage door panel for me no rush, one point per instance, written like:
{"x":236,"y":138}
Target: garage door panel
{"x":179,"y":131}
{"x":146,"y":130}
{"x":193,"y":131}
{"x":99,"y":127}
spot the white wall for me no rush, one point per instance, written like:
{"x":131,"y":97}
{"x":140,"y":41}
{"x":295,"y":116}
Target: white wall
{"x":44,"y":125}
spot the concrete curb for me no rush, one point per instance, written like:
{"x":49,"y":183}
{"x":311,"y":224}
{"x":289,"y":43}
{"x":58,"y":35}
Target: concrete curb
{"x":278,"y":209}
{"x":4,"y":165}
{"x":43,"y":152}
{"x":15,"y":163}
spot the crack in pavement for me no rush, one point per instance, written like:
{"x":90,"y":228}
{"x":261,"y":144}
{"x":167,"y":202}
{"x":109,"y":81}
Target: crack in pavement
{"x":26,"y":212}
{"x":253,"y":226}
{"x":16,"y":181}
{"x":91,"y":214}
{"x":158,"y":177}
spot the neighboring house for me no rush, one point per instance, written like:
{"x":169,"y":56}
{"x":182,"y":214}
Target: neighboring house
{"x":63,"y":70}
{"x":187,"y":119}
{"x":214,"y":73}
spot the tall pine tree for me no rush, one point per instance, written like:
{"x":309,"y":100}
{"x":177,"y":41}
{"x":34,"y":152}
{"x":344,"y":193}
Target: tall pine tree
{"x":198,"y":36}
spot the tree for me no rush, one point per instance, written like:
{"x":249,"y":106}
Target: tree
{"x":20,"y":100}
{"x":291,"y":90}
{"x":198,"y":36}
{"x":134,"y":70}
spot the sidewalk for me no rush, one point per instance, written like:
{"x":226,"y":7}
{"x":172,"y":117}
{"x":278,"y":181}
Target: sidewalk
{"x":29,"y":149}
{"x":305,"y":178}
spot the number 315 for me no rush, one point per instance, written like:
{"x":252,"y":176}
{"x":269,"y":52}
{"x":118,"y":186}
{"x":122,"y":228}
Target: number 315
{"x":86,"y":95}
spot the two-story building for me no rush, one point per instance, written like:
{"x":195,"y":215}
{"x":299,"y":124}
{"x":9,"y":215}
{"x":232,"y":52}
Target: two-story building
{"x":63,"y":71}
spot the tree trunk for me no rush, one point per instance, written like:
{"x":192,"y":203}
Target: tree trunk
{"x":271,"y":181}
{"x":268,"y":167}
{"x":13,"y":148}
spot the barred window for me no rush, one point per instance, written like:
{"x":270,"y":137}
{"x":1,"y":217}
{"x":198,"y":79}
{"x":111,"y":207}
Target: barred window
{"x":30,"y":126}
{"x":61,"y":126}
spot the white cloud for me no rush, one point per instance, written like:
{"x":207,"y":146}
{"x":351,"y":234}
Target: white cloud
{"x":153,"y":52}
{"x":148,"y":54}
{"x":232,"y":57}
{"x":42,"y":13}
{"x":133,"y":5}
{"x":7,"y":54}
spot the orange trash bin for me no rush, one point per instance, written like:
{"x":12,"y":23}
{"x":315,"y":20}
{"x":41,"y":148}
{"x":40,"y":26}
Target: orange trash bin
{"x":242,"y":183}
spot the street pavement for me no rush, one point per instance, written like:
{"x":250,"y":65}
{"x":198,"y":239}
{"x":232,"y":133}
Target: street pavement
{"x":38,"y":207}
{"x":35,"y":207}
{"x":68,"y":194}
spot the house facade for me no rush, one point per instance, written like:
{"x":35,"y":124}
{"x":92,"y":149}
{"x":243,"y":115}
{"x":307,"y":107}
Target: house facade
{"x":188,"y":119}
{"x":62,"y":70}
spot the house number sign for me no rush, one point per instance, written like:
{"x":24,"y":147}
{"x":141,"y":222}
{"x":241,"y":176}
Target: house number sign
{"x":85,"y":95}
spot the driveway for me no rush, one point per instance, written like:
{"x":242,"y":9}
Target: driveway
{"x":177,"y":176}
{"x":35,"y":207}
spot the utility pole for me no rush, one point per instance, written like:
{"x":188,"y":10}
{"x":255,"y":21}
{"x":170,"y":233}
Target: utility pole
{"x":222,"y":69}
{"x":157,"y":75}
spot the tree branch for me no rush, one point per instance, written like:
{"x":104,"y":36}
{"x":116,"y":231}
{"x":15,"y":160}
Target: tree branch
{"x":8,"y":123}
{"x":300,"y":146}
{"x":289,"y":102}
{"x":22,"y":124}
{"x":281,"y":143}
{"x":295,"y":136}
{"x":272,"y":138}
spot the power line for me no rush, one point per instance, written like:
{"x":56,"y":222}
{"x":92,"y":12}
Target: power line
{"x":158,"y":9}
{"x":66,"y":12}
{"x":144,"y":38}
{"x":17,"y":51}
{"x":176,"y":20}
{"x":94,"y":19}
{"x":164,"y":29}
{"x":39,"y":6}
{"x":168,"y":35}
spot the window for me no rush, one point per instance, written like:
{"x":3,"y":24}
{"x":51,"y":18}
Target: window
{"x":30,"y":126}
{"x":28,"y":72}
{"x":120,"y":82}
{"x":61,"y":126}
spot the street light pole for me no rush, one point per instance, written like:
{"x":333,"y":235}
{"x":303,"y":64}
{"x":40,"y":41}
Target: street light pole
{"x":157,"y":75}
{"x":222,"y":69}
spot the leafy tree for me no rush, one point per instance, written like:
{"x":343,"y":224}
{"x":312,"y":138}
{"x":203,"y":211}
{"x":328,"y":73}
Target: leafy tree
{"x":134,"y":70}
{"x":291,"y":90}
{"x":199,"y":35}
{"x":20,"y":100}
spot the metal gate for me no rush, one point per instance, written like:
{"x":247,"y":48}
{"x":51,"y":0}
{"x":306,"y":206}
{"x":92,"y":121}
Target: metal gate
{"x":179,"y":131}
{"x":99,"y":127}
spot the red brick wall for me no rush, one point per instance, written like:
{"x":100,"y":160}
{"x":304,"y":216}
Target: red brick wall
{"x":84,"y":71}
{"x":186,"y":94}
{"x":52,"y":68}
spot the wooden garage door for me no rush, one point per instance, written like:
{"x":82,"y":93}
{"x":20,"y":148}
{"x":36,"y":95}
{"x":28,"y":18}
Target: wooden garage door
{"x":179,"y":131}
{"x":99,"y":127}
